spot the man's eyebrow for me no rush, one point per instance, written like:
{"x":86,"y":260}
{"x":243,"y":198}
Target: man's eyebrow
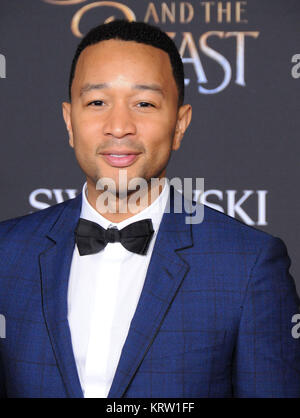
{"x":152,"y":87}
{"x":88,"y":87}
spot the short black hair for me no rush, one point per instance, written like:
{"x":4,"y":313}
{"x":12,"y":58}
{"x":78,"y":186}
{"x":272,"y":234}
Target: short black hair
{"x":138,"y":32}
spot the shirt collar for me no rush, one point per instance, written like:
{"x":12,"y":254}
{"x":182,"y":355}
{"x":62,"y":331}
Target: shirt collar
{"x":154,"y":211}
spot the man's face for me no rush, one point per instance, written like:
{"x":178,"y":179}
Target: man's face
{"x":124,"y":112}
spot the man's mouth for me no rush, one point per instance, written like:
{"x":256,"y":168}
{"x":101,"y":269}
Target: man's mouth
{"x":120,"y":160}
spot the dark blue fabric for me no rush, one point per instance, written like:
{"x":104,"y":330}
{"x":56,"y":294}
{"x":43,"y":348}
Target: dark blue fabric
{"x":213,"y":320}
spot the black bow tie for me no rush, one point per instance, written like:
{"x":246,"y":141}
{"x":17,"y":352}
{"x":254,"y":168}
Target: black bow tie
{"x":92,"y":238}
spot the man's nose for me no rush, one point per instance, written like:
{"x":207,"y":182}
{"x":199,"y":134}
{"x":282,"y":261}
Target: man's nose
{"x":119,"y":122}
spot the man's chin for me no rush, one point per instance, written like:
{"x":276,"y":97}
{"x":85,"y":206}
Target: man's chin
{"x":123,"y":184}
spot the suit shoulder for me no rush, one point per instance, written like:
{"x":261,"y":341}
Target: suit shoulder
{"x":228,"y":227}
{"x":222,"y":235}
{"x":34,"y":222}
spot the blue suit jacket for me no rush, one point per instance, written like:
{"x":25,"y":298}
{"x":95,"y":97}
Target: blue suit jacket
{"x":213,"y":319}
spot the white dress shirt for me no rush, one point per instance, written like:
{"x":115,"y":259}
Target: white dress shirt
{"x":103,"y":294}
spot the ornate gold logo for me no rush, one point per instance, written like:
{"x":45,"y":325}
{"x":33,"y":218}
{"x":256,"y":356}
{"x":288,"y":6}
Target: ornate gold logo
{"x":128,"y":13}
{"x":192,"y":50}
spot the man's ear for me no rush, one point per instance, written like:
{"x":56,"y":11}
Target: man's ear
{"x":183,"y":120}
{"x":66,"y":108}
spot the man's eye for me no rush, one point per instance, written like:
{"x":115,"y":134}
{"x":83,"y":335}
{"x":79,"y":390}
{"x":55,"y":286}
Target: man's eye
{"x":96,"y":103}
{"x":145,"y":104}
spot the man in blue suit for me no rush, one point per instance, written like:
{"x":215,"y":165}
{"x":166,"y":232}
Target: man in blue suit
{"x":140,"y":303}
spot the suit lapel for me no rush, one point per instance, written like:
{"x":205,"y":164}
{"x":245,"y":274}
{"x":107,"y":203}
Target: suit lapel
{"x":55,"y":263}
{"x":165,"y":274}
